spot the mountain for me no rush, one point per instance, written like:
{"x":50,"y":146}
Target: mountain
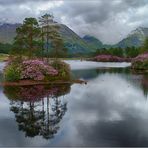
{"x":135,"y":38}
{"x":75,"y":44}
{"x":93,"y":42}
{"x":7,"y":32}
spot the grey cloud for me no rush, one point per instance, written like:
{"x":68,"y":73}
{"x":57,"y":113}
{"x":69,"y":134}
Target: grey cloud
{"x":136,"y":3}
{"x":16,"y":2}
{"x":108,"y":20}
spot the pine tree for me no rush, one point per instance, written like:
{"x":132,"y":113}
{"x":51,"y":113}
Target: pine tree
{"x":145,"y":46}
{"x":45,"y":22}
{"x":52,"y":37}
{"x":26,"y":40}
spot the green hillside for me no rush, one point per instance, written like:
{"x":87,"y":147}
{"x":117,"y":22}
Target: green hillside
{"x":76,"y":45}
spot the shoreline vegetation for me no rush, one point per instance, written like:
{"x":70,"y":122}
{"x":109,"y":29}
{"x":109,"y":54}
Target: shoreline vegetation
{"x":140,"y":63}
{"x":110,"y":58}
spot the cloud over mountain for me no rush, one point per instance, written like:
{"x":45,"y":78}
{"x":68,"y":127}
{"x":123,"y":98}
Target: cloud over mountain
{"x":108,"y":20}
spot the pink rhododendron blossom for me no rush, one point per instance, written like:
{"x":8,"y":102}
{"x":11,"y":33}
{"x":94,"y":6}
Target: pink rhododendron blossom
{"x":141,"y":57}
{"x":36,"y":70}
{"x":108,"y":58}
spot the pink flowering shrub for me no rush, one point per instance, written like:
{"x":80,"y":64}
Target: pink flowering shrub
{"x":29,"y":69}
{"x":36,"y":70}
{"x":141,"y":57}
{"x":140,"y":62}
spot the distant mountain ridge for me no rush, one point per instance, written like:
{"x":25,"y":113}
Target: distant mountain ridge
{"x":135,"y":38}
{"x":77,"y":45}
{"x":7,"y":32}
{"x":74,"y":43}
{"x":92,"y":41}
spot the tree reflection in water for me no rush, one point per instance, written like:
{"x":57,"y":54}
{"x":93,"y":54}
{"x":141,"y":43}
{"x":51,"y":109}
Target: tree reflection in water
{"x":38,"y":109}
{"x":144,"y":83}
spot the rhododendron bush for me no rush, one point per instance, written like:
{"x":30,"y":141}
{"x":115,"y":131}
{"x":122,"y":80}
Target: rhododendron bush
{"x":36,"y":70}
{"x":140,"y":62}
{"x":29,"y":69}
{"x":109,"y":58}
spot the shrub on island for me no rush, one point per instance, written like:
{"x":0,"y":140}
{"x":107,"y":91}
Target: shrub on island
{"x":36,"y":70}
{"x":140,"y":62}
{"x":63,"y":68}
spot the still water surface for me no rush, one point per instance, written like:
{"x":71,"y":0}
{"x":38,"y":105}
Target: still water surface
{"x":111,"y":110}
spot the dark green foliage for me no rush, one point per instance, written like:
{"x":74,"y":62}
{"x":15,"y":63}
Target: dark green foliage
{"x":64,"y":72}
{"x":12,"y":72}
{"x":45,"y":22}
{"x":144,"y":48}
{"x":57,"y":45}
{"x":129,"y":52}
{"x":53,"y":44}
{"x":5,"y":48}
{"x":111,"y":51}
{"x":141,"y":61}
{"x":26,"y":40}
{"x":140,"y":65}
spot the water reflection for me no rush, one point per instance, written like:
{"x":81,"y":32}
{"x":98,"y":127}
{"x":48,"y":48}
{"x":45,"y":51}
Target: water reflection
{"x":88,"y":74}
{"x":114,"y":112}
{"x":144,"y":84}
{"x":38,"y":109}
{"x":111,"y":110}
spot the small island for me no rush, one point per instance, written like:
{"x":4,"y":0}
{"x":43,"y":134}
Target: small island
{"x":140,"y":63}
{"x":28,"y":65}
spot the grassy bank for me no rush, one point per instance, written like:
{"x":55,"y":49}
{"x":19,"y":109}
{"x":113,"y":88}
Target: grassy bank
{"x":3,"y":57}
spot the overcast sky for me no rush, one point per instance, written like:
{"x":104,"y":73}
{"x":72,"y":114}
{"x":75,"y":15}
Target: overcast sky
{"x":108,"y":20}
